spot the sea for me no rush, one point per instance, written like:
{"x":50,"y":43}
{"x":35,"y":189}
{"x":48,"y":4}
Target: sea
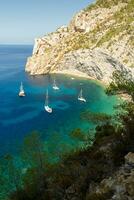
{"x":21,"y":116}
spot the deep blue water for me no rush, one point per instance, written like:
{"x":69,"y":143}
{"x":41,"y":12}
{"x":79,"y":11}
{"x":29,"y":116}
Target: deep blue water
{"x":20,"y":116}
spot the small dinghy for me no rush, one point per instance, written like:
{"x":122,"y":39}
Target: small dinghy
{"x":55,"y":87}
{"x":22,"y":92}
{"x":46,"y":107}
{"x":80,"y":97}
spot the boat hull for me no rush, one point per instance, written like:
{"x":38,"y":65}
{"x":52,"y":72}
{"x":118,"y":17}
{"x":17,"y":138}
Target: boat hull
{"x":48,"y":109}
{"x":22,"y":94}
{"x":55,"y":88}
{"x":82,"y":99}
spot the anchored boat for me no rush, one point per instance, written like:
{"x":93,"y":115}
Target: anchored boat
{"x":46,"y":107}
{"x":55,"y":87}
{"x":22,"y":92}
{"x":80,"y":96}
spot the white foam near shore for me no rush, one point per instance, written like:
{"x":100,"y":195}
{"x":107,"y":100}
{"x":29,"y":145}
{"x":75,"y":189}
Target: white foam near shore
{"x":77,"y":74}
{"x":73,"y":72}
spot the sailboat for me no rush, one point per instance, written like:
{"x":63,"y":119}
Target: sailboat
{"x":55,"y":87}
{"x":21,"y":93}
{"x":46,"y":107}
{"x":80,"y":97}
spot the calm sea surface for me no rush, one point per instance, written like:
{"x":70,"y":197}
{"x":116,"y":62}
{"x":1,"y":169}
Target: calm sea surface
{"x":20,"y":116}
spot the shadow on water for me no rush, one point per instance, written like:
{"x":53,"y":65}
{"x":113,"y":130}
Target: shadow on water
{"x":20,"y":116}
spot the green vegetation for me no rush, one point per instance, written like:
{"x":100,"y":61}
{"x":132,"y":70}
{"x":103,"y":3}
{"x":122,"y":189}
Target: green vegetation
{"x":123,"y":19}
{"x":82,"y":168}
{"x":122,"y":83}
{"x":10,"y":176}
{"x":104,"y":196}
{"x":79,"y":41}
{"x":77,"y":134}
{"x":122,"y":25}
{"x":105,"y":4}
{"x":95,"y":117}
{"x":90,"y":7}
{"x":109,"y":3}
{"x":103,"y":32}
{"x":33,"y":151}
{"x":102,"y":154}
{"x":112,"y":32}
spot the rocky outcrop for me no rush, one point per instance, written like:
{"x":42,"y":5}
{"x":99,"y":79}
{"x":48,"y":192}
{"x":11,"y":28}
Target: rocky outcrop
{"x":97,"y":41}
{"x":121,"y":185}
{"x":94,"y":63}
{"x":86,"y":21}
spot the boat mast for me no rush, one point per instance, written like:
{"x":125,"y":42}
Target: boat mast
{"x":46,"y":102}
{"x":54,"y":83}
{"x":81,"y":93}
{"x":21,"y":87}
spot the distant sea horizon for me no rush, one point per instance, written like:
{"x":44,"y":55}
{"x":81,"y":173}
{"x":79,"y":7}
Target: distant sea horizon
{"x":15,"y":44}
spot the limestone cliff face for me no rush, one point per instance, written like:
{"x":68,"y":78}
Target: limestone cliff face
{"x":97,"y":41}
{"x":94,"y":63}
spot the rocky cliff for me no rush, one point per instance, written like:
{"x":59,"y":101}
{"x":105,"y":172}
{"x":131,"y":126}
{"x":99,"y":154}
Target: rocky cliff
{"x":119,"y":186}
{"x":98,"y":40}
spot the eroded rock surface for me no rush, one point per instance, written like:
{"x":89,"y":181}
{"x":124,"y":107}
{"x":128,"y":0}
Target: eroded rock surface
{"x":98,"y":40}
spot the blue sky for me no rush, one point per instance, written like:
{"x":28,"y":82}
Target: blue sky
{"x":23,"y":20}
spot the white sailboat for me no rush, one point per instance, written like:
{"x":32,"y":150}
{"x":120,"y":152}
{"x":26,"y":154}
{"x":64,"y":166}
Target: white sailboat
{"x":80,"y":97}
{"x":22,"y":92}
{"x":46,"y":107}
{"x":55,"y":87}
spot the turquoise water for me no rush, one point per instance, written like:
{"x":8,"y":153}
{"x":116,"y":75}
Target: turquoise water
{"x":20,"y":116}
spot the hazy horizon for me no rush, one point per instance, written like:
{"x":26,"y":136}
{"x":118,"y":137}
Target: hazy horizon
{"x":22,"y":22}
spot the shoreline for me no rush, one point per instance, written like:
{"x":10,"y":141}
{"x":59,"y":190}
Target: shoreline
{"x":73,"y":74}
{"x":78,"y":74}
{"x":125,"y":97}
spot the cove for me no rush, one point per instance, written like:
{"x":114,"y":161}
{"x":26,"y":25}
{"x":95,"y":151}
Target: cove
{"x":21,"y":116}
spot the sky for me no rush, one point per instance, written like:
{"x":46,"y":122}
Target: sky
{"x":23,"y":20}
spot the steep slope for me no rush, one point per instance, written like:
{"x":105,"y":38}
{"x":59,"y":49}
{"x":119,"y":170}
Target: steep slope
{"x":98,"y":40}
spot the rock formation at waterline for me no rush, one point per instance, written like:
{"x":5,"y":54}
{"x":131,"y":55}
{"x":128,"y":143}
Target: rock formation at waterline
{"x":98,"y":40}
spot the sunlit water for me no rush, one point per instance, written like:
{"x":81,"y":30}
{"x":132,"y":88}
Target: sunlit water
{"x":20,"y":116}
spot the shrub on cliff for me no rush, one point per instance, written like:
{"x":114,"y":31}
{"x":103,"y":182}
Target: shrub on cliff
{"x":73,"y":176}
{"x":123,"y":82}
